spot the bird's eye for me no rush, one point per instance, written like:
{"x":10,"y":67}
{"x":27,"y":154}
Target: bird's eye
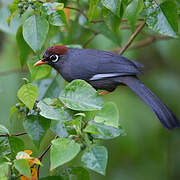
{"x":54,"y":58}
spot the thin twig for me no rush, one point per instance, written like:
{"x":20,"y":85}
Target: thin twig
{"x":97,"y":21}
{"x":133,"y":36}
{"x":41,"y":157}
{"x":82,"y":12}
{"x":146,"y":42}
{"x":18,"y":134}
{"x":90,"y":39}
{"x":125,"y":20}
{"x":77,"y":9}
{"x":43,"y":154}
{"x":149,"y":40}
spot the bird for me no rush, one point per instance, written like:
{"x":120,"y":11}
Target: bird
{"x":105,"y":71}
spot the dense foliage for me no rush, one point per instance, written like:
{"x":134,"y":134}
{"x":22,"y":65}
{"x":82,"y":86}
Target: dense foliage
{"x":74,"y":115}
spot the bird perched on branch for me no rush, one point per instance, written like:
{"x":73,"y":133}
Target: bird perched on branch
{"x":106,"y":70}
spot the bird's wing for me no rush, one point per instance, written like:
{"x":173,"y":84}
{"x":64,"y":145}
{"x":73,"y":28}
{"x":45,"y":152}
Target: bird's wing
{"x":90,"y":64}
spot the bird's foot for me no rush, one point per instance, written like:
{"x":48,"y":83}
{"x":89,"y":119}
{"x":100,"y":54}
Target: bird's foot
{"x":103,"y":93}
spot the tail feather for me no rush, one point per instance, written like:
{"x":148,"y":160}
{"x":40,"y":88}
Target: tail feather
{"x":165,"y":115}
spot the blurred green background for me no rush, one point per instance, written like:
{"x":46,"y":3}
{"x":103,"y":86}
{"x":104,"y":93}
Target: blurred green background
{"x":148,"y":151}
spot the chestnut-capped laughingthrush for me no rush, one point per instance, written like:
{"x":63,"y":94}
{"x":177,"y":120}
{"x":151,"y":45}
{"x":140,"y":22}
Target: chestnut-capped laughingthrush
{"x":106,"y":70}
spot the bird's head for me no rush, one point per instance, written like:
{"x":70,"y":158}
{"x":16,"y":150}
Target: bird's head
{"x":52,"y":55}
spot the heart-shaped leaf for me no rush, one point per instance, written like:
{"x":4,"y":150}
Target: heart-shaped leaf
{"x":28,"y":95}
{"x":35,"y":30}
{"x":23,"y":167}
{"x":79,"y":95}
{"x":109,"y":115}
{"x":162,"y":18}
{"x":62,"y":151}
{"x":95,"y":159}
{"x":36,"y":127}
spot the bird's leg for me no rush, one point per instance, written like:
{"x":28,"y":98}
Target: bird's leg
{"x":103,"y":93}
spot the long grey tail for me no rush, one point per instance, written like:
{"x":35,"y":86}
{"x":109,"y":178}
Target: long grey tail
{"x":165,"y":115}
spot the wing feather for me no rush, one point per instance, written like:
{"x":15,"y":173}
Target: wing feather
{"x":101,"y":64}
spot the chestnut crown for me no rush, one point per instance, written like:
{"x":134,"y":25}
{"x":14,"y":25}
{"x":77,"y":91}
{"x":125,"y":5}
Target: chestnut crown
{"x":52,"y":55}
{"x":58,"y":49}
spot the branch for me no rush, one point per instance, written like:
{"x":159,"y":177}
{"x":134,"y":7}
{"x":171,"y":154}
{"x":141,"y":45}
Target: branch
{"x":43,"y":154}
{"x":148,"y":41}
{"x":125,"y":20}
{"x":82,"y":12}
{"x":133,"y":36}
{"x":77,"y":9}
{"x":18,"y":134}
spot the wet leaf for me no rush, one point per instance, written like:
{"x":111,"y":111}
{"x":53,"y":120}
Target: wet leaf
{"x":36,"y":127}
{"x":95,"y":159}
{"x":28,"y":95}
{"x":79,"y":95}
{"x":162,"y":19}
{"x":23,"y":167}
{"x":62,"y":151}
{"x":35,"y":30}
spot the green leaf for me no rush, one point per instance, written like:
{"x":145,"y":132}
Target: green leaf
{"x":12,"y":111}
{"x":3,"y":130}
{"x":4,"y":169}
{"x":36,"y":127}
{"x":92,"y":9}
{"x":92,"y":129}
{"x":77,"y":123}
{"x":132,"y":11}
{"x":13,"y":6}
{"x":63,"y":151}
{"x":14,"y":24}
{"x":23,"y":167}
{"x":38,"y":72}
{"x":16,"y":144}
{"x":79,"y":95}
{"x":95,"y":159}
{"x":24,"y":49}
{"x":50,"y":8}
{"x":50,"y":87}
{"x":101,"y":131}
{"x":163,"y":18}
{"x":59,"y":129}
{"x":109,"y":115}
{"x":28,"y":95}
{"x":113,"y":5}
{"x":4,"y":147}
{"x":51,"y":111}
{"x":35,"y":30}
{"x":58,"y":18}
